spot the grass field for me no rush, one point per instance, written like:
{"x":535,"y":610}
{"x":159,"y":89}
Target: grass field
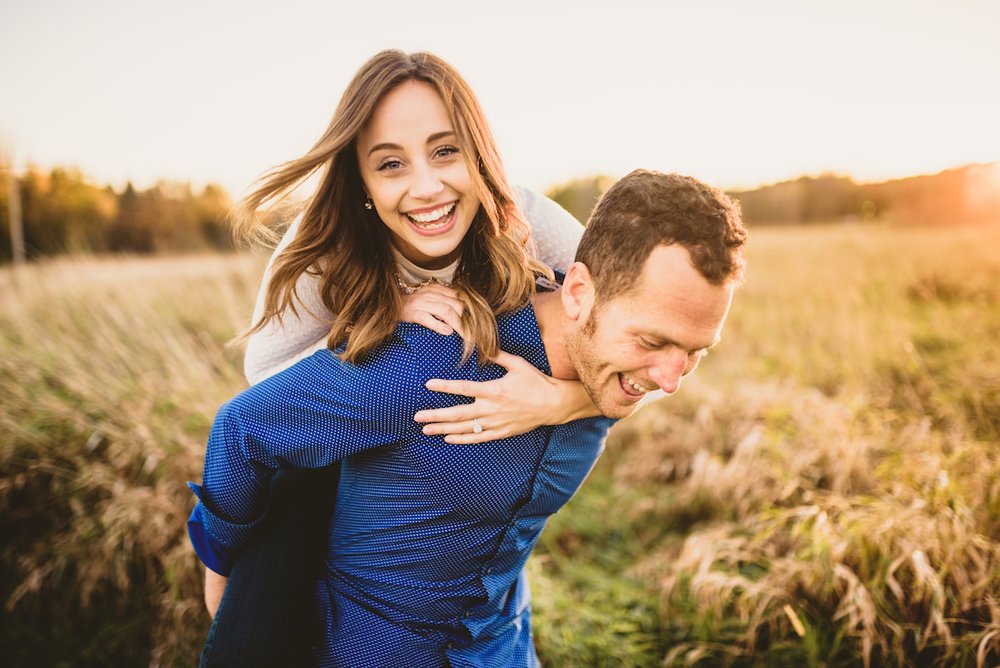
{"x":825,"y":491}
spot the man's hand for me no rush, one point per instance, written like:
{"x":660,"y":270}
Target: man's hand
{"x":215,"y":584}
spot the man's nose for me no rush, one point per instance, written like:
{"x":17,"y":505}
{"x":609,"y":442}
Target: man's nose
{"x":668,"y":369}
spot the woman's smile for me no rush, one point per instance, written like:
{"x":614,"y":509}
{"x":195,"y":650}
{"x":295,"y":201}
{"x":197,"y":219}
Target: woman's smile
{"x":434,"y":220}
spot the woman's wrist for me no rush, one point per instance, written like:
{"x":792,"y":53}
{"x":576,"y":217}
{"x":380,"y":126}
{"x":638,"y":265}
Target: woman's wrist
{"x":573,"y":403}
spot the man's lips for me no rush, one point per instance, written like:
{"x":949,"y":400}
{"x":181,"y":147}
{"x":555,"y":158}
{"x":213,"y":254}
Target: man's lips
{"x":631,"y":387}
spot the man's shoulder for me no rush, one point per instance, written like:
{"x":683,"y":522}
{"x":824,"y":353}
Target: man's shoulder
{"x":596,"y":426}
{"x":421,"y":349}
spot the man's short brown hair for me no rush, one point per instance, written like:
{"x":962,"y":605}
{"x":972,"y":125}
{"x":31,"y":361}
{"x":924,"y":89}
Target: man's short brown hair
{"x":646,"y":209}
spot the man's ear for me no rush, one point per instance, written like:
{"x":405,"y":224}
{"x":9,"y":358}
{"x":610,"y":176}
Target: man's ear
{"x":578,"y":292}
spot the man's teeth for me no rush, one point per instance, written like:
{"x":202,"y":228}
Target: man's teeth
{"x":634,"y":385}
{"x":434,"y":216}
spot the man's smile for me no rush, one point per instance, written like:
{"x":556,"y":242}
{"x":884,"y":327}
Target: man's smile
{"x":631,"y":387}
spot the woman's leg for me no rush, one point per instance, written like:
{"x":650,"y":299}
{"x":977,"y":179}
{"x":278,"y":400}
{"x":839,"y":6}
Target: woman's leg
{"x":268,"y":613}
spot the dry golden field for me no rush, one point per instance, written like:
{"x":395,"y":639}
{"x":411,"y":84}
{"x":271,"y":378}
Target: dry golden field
{"x":825,"y":491}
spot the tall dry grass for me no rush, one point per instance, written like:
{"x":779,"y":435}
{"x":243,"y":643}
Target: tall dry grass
{"x":825,"y":491}
{"x":110,"y":373}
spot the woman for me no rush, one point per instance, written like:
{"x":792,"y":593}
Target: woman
{"x":412,"y":196}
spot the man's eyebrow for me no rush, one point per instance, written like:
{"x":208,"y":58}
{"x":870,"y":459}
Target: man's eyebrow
{"x":388,"y":146}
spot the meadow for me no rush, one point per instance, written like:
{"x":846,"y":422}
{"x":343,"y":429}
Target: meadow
{"x":825,"y":491}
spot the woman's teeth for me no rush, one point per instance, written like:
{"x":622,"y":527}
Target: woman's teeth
{"x":432,"y":219}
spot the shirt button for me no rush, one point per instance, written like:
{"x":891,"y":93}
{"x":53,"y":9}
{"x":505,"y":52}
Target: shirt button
{"x":468,"y":613}
{"x":449,"y":645}
{"x":489,"y":569}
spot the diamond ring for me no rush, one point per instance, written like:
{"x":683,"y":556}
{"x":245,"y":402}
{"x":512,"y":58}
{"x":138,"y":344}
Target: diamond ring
{"x":476,"y":427}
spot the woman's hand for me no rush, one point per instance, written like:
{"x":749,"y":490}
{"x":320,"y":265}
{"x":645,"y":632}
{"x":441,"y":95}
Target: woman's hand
{"x":436,"y":307}
{"x":215,"y":584}
{"x":522,"y":400}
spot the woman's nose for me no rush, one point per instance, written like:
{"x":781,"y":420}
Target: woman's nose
{"x":426,"y":183}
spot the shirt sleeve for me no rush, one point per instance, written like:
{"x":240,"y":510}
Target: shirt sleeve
{"x":308,"y":416}
{"x":555,"y":231}
{"x":282,"y":343}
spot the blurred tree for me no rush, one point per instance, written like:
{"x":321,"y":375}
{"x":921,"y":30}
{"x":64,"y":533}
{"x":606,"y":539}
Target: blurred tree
{"x":211,"y":211}
{"x":78,"y":212}
{"x":64,"y":213}
{"x":806,"y":199}
{"x":133,"y":226}
{"x":579,"y":196}
{"x":11,"y":219}
{"x":6,"y":251}
{"x":966,"y":194}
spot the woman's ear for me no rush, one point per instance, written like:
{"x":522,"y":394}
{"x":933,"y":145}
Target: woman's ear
{"x":578,"y":292}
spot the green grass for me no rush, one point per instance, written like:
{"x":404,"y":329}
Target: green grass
{"x":824,"y":491}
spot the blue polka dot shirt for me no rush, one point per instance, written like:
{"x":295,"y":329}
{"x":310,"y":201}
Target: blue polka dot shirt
{"x":428,"y":540}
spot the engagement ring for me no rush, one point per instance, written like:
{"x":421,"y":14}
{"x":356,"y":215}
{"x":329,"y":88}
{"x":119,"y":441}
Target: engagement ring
{"x":476,"y":427}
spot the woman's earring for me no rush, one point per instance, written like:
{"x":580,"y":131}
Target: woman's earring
{"x":369,"y":204}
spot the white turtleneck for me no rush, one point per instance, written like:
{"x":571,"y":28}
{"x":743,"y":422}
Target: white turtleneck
{"x":413,"y":274}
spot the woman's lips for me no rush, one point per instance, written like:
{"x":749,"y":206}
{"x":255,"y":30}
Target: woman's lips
{"x":432,"y":220}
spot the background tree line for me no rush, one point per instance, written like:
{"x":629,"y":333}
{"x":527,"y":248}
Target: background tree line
{"x":64,"y":213}
{"x":966,"y":194}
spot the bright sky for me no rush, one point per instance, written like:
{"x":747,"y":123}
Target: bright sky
{"x":736,"y":93}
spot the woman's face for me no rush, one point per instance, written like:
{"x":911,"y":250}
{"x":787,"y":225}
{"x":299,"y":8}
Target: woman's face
{"x":413,"y":170}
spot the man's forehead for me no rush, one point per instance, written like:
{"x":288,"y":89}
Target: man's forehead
{"x":670,"y":293}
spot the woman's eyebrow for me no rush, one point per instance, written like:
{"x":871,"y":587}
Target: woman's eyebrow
{"x":389,"y":146}
{"x":385,"y":146}
{"x":440,"y":135}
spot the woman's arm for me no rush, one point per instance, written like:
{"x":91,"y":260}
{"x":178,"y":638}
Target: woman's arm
{"x":280,"y":344}
{"x":555,"y":231}
{"x":522,"y":400}
{"x":215,"y":585}
{"x":309,"y":416}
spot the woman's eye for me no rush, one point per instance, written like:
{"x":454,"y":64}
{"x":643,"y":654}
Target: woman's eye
{"x":445,"y":151}
{"x":389,"y":165}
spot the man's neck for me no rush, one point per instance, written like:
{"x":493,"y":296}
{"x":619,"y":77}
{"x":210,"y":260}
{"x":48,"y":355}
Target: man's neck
{"x":552,"y":326}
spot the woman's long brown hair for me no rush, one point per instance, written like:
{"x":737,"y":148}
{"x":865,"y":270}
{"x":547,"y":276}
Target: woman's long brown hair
{"x":349,"y":248}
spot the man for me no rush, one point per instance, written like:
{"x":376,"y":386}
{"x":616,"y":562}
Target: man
{"x":429,"y":540}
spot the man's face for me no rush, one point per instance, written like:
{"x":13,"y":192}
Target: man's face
{"x":647,"y":337}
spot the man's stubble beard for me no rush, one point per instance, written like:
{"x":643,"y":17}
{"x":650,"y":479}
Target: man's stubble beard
{"x":583,"y":356}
